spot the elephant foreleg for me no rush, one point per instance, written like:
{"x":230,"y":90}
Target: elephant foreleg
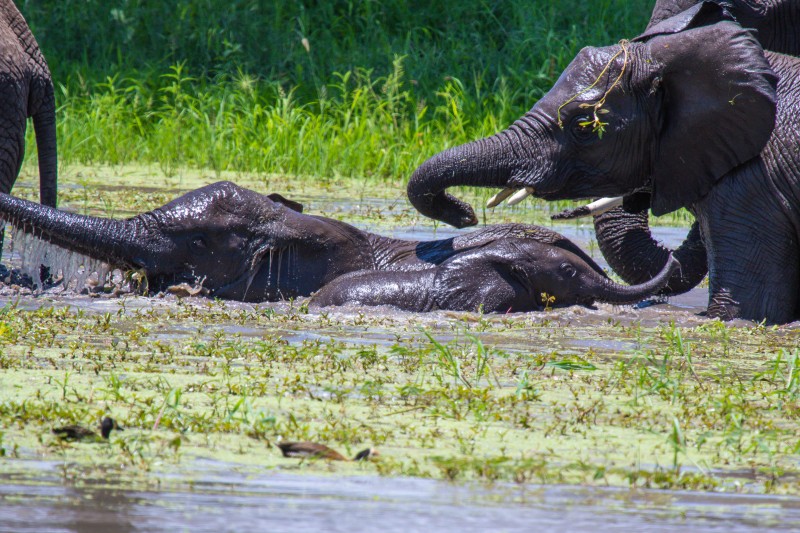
{"x":753,"y":253}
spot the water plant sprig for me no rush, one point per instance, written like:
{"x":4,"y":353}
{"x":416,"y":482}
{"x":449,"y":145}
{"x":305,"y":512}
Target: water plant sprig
{"x":597,"y":125}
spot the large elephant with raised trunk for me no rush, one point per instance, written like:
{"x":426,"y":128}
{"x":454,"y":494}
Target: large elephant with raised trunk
{"x":694,"y":112}
{"x":242,"y":245}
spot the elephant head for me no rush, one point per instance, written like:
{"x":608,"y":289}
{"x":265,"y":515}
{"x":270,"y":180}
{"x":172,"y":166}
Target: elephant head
{"x":237,"y":243}
{"x":670,"y":113}
{"x":623,"y":233}
{"x":507,"y":275}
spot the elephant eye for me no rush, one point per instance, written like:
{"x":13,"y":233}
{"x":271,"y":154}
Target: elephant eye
{"x":568,"y":270}
{"x":582,"y":127}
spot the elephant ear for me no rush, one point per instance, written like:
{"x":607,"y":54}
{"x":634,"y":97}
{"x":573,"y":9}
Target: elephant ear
{"x":480,"y":279}
{"x":666,"y":9}
{"x":291,"y":204}
{"x":673,"y":16}
{"x":718,"y":106}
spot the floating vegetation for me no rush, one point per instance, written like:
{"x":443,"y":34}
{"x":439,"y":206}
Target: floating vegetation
{"x":557,"y":397}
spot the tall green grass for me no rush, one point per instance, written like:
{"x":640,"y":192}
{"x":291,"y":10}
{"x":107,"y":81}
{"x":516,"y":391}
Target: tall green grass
{"x":351,"y":88}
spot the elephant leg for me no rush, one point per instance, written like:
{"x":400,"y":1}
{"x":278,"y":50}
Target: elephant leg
{"x":13,"y":123}
{"x":753,"y":254}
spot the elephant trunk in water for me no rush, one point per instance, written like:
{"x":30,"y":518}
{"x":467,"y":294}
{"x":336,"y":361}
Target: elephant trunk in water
{"x":625,"y":241}
{"x":109,"y":240}
{"x":614,"y":293}
{"x":488,"y":162}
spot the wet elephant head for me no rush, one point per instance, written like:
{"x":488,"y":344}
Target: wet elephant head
{"x":237,"y":243}
{"x":509,"y":275}
{"x":625,"y":118}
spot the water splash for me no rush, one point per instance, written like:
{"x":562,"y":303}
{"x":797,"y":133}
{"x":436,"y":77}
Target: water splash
{"x":70,"y":270}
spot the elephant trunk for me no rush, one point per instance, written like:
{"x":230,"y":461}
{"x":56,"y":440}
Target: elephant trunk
{"x":109,"y":240}
{"x":487,"y":162}
{"x":614,"y":293}
{"x":625,"y":241}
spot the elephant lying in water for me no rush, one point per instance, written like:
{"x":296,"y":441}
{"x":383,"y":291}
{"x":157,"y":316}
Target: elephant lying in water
{"x":242,"y":245}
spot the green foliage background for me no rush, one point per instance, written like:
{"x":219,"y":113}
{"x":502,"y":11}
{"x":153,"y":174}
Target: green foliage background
{"x":356,"y":88}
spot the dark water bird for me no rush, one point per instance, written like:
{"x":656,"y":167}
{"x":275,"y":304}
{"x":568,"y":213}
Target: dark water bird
{"x":75,"y":432}
{"x":320,"y":451}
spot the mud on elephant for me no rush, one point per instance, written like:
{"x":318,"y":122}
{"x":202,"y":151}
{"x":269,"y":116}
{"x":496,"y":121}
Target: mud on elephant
{"x":242,"y":245}
{"x":507,"y":275}
{"x":693,"y":111}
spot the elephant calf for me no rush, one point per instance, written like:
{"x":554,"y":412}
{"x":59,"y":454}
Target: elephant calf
{"x":242,"y":245}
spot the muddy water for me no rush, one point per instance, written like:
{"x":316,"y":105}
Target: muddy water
{"x":224,"y":497}
{"x":216,"y":496}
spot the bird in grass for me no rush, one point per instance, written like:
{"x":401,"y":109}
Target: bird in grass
{"x":76,"y":432}
{"x":320,"y":451}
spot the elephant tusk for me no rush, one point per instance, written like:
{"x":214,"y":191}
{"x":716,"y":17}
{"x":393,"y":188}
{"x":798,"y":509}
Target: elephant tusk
{"x":520,"y":195}
{"x":595,"y":208}
{"x":498,"y":198}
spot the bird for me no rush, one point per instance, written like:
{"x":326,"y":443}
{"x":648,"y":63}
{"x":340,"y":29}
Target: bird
{"x":76,"y":432}
{"x":320,"y":451}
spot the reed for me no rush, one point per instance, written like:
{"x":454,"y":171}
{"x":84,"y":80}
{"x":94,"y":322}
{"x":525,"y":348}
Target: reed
{"x":348,"y":88}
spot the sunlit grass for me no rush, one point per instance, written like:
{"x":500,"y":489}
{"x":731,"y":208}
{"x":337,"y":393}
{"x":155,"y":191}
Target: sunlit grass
{"x":353,"y":89}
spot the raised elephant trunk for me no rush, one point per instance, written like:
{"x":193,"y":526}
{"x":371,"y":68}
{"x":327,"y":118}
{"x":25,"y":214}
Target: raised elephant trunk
{"x":488,"y":162}
{"x":109,"y":240}
{"x":615,"y":293}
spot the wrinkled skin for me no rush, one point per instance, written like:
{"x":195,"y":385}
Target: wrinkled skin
{"x":700,"y":118}
{"x":242,"y":245}
{"x":623,"y":233}
{"x":503,"y":276}
{"x":26,"y":90}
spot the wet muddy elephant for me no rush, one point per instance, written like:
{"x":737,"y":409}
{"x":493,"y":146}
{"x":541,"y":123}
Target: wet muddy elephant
{"x":694,"y":112}
{"x":242,"y":245}
{"x":26,"y":90}
{"x":507,"y":275}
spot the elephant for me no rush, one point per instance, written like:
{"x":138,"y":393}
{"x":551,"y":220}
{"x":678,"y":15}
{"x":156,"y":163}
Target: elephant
{"x":26,"y":90}
{"x":694,"y":112}
{"x":507,"y":275}
{"x":242,"y":245}
{"x":775,"y":21}
{"x":623,"y":231}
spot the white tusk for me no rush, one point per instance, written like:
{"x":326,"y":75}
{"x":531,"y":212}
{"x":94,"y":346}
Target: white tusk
{"x":595,"y":208}
{"x":604,"y":204}
{"x":520,"y":195}
{"x":495,"y":200}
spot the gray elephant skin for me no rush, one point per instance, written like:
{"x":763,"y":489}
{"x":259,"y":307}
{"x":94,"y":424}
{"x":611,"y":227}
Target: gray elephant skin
{"x":694,"y":112}
{"x":623,"y":233}
{"x":26,"y":90}
{"x":507,"y":275}
{"x":242,"y":245}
